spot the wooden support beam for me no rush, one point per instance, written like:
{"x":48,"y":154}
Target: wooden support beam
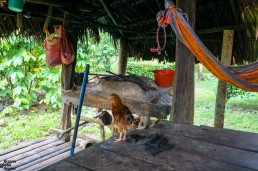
{"x":183,"y":91}
{"x":19,"y":20}
{"x":110,"y":15}
{"x":220,"y":29}
{"x":64,"y":3}
{"x":48,"y":19}
{"x":67,"y":80}
{"x":158,"y":4}
{"x":239,"y":36}
{"x":101,"y":128}
{"x":123,"y":56}
{"x":226,"y":55}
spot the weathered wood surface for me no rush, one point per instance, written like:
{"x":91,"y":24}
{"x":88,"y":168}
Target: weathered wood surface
{"x":37,"y":154}
{"x":108,"y":160}
{"x":183,"y":90}
{"x":136,"y":106}
{"x":190,"y":148}
{"x":236,"y":139}
{"x":20,"y":146}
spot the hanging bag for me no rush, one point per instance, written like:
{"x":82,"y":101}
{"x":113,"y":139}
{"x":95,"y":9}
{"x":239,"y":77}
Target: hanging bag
{"x":52,"y":46}
{"x":67,"y":51}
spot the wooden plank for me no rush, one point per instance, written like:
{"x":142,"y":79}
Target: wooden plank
{"x":39,"y":155}
{"x":63,"y":165}
{"x":37,"y":150}
{"x":2,"y":152}
{"x":172,"y":158}
{"x":139,"y":107}
{"x":210,"y":151}
{"x":220,"y":29}
{"x":25,"y":166}
{"x":28,"y":148}
{"x":49,"y":159}
{"x":229,"y":138}
{"x":183,"y":90}
{"x":95,"y":158}
{"x":248,"y":135}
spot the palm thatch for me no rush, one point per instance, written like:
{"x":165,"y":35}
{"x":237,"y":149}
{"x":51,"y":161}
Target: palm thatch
{"x":135,"y":20}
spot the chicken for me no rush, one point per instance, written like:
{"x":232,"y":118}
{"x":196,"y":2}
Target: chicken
{"x":105,"y":117}
{"x":122,"y":116}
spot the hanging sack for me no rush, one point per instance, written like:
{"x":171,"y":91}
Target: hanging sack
{"x":67,"y":51}
{"x":52,"y":46}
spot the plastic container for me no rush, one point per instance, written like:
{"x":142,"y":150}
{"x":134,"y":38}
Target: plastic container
{"x":16,"y":5}
{"x":164,"y":77}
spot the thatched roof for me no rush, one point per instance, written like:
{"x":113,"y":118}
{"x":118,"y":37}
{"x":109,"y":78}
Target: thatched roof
{"x":135,"y":20}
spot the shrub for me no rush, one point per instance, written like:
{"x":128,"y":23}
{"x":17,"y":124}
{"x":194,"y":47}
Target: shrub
{"x":146,"y":68}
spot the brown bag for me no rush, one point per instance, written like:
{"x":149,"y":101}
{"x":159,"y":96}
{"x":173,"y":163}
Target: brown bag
{"x":67,"y":51}
{"x":52,"y":46}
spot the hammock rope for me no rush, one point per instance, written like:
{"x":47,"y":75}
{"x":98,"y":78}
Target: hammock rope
{"x":244,"y":77}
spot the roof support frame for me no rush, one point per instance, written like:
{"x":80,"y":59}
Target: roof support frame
{"x":110,"y":15}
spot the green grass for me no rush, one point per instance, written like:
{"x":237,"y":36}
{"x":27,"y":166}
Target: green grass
{"x":32,"y":125}
{"x":26,"y":127}
{"x":241,"y":112}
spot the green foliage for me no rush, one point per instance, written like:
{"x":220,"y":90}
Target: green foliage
{"x":25,"y":79}
{"x":233,"y":91}
{"x":146,"y":68}
{"x":100,"y":56}
{"x":24,"y":74}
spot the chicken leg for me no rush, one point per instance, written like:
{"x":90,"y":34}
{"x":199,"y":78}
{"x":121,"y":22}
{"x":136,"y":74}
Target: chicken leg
{"x":124,"y":135}
{"x":120,"y":137}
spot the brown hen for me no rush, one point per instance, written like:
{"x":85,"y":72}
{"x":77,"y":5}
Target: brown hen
{"x":122,"y":116}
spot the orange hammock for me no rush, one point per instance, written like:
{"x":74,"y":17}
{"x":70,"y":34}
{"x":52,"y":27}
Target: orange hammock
{"x":242,"y":76}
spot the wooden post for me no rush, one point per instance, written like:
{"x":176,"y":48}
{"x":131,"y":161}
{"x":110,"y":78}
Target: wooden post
{"x":19,"y":20}
{"x":67,"y":79}
{"x":183,"y":90}
{"x":101,"y":128}
{"x":48,"y":19}
{"x":226,"y":55}
{"x":200,"y":72}
{"x":123,"y":56}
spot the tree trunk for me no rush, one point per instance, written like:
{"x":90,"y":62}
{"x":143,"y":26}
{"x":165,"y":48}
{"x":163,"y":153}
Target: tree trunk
{"x":183,"y":91}
{"x":123,"y":57}
{"x":226,"y":55}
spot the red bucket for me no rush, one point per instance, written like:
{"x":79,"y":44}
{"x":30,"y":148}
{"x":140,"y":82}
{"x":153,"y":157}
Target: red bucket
{"x":164,"y":77}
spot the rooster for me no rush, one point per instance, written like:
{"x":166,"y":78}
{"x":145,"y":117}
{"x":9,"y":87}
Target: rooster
{"x":122,"y":116}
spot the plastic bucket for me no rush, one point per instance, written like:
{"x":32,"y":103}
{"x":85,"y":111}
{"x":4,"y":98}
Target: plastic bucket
{"x":164,"y":77}
{"x":16,"y":5}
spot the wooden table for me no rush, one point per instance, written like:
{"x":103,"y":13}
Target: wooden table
{"x":168,"y":146}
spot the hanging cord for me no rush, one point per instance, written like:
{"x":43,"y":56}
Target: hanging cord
{"x":163,"y":25}
{"x":159,"y":49}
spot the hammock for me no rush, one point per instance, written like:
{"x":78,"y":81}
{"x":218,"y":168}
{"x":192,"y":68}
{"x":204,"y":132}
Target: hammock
{"x":244,"y":77}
